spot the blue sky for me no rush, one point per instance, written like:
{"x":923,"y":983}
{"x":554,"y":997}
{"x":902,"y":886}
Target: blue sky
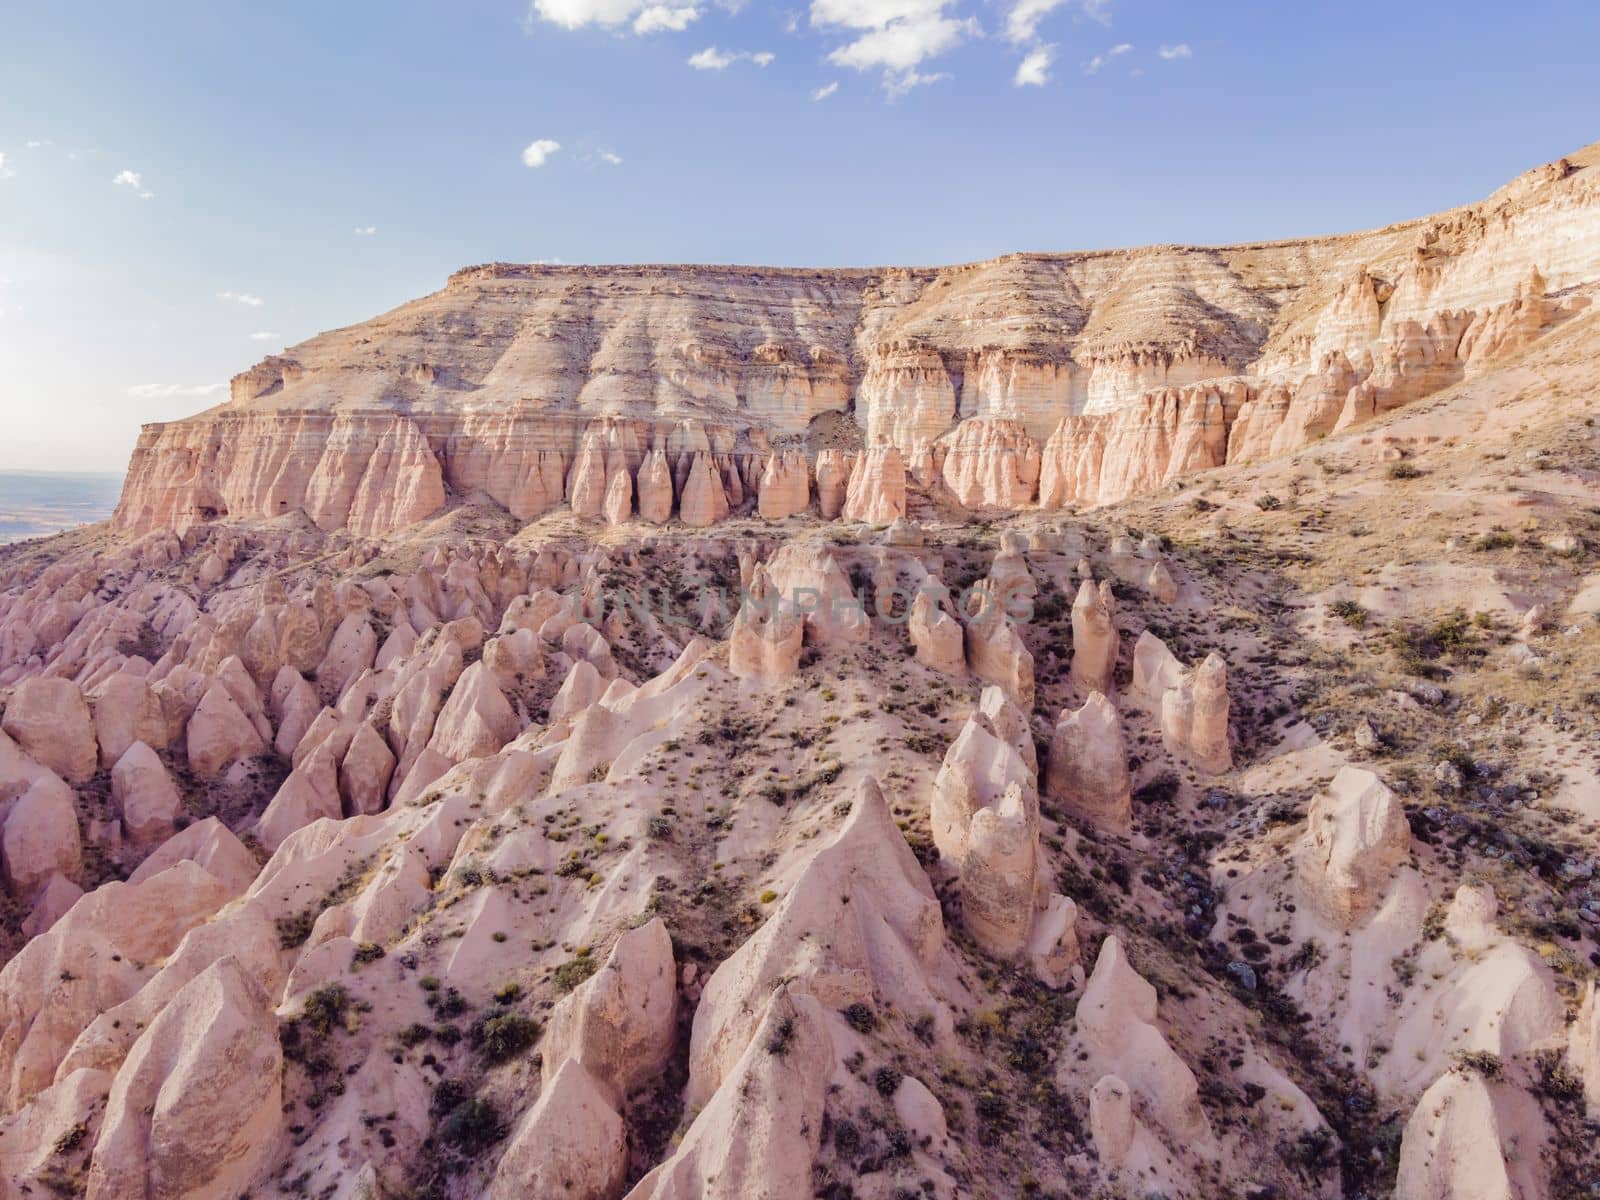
{"x":186,"y":187}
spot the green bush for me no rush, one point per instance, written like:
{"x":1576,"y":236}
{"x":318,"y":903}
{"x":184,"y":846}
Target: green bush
{"x":505,"y":1037}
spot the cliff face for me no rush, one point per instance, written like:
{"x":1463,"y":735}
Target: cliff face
{"x":1051,"y":380}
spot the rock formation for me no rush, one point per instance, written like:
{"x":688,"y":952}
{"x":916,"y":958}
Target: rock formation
{"x":1094,"y":637}
{"x":1087,"y":772}
{"x":1356,"y":835}
{"x":1194,"y":717}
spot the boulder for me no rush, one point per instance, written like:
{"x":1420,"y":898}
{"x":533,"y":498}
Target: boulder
{"x":1160,"y":584}
{"x":999,"y":873}
{"x":581,"y":688}
{"x":1356,"y":836}
{"x":1094,"y":637}
{"x":765,"y":642}
{"x":196,"y":1107}
{"x":40,"y":836}
{"x":1117,"y":1023}
{"x":938,"y":637}
{"x":53,"y":901}
{"x":758,"y":1134}
{"x":220,"y":733}
{"x":1111,"y":1121}
{"x":1453,"y":1145}
{"x":621,"y":1023}
{"x":127,"y":710}
{"x":1155,"y":668}
{"x":1087,"y":768}
{"x":210,"y":845}
{"x":365,"y":771}
{"x":477,"y":719}
{"x":1194,"y":717}
{"x":860,"y":923}
{"x":570,"y":1144}
{"x":995,"y":650}
{"x":146,"y":798}
{"x":49,"y":719}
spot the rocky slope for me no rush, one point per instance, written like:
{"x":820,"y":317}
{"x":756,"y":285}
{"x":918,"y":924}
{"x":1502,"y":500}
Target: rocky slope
{"x":1060,"y":380}
{"x":1238,"y":839}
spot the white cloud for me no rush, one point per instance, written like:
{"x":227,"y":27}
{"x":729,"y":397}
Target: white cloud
{"x":263,"y":336}
{"x":575,"y":14}
{"x":37,"y":143}
{"x":826,"y":90}
{"x":162,"y":391}
{"x":1022,"y":22}
{"x":607,"y":156}
{"x":898,"y":83}
{"x":248,"y":299}
{"x":1034,"y":70}
{"x":661,"y":18}
{"x":896,"y":36}
{"x":645,"y":16}
{"x":365,"y":230}
{"x":538,"y":153}
{"x":1098,"y":10}
{"x":132,"y":179}
{"x":1100,"y":60}
{"x":712,"y":59}
{"x":1181,"y":50}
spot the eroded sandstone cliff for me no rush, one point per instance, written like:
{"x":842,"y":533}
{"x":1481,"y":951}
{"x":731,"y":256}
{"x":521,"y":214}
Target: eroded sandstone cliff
{"x":1056,"y":380}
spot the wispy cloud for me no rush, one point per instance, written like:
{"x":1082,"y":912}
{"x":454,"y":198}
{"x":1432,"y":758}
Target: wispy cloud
{"x":712,"y":59}
{"x":1181,"y":50}
{"x":365,"y":230}
{"x":1100,"y":60}
{"x":606,"y":156}
{"x":263,"y":335}
{"x":163,"y":391}
{"x":133,"y":180}
{"x":3,"y":171}
{"x":1034,"y":70}
{"x":248,"y":299}
{"x":537,"y":153}
{"x":1022,"y":22}
{"x":826,"y":90}
{"x":660,"y":18}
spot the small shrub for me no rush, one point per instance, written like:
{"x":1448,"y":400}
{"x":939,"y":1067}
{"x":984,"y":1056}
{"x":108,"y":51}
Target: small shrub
{"x":1482,"y":1062}
{"x":472,"y":1126}
{"x":1268,"y":503}
{"x":778,"y":1043}
{"x":574,"y":971}
{"x":325,"y":1009}
{"x":1405,"y":470}
{"x":366,"y":952}
{"x":1351,"y":613}
{"x":861,"y":1018}
{"x":505,"y":1037}
{"x":886,"y":1080}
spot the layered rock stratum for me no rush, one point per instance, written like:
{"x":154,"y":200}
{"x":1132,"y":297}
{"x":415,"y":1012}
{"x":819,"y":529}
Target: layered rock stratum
{"x":673,"y":733}
{"x":1049,"y":380}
